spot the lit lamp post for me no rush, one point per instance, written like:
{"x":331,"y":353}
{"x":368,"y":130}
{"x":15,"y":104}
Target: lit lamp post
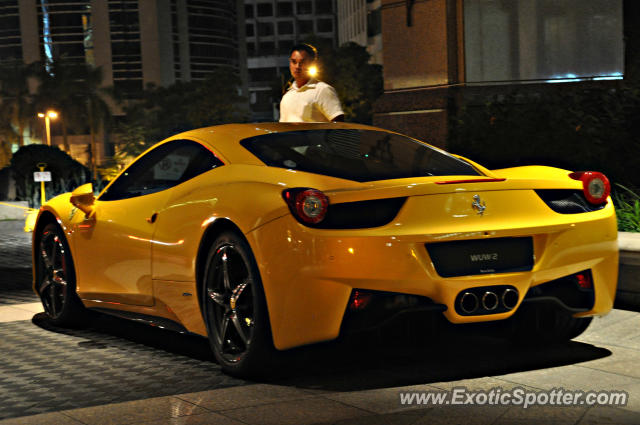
{"x":48,"y":116}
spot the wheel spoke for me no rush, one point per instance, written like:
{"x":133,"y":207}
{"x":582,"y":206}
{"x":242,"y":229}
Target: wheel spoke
{"x":58,"y":276}
{"x":216,"y":297}
{"x":238,"y":291}
{"x":45,"y":284}
{"x":45,"y":257}
{"x":53,"y":300}
{"x":55,"y":247}
{"x":224,"y":326}
{"x":239,"y":329}
{"x":225,"y":271}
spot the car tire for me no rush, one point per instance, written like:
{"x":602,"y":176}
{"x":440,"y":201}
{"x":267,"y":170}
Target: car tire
{"x":55,"y":279}
{"x":235,"y":308}
{"x":541,"y":323}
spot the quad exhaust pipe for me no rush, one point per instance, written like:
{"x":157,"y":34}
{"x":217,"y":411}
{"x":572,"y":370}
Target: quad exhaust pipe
{"x":495,"y":299}
{"x":510,"y":298}
{"x":469,"y":302}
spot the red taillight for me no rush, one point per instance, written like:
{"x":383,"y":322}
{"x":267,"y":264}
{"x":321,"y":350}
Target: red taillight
{"x":308,"y":205}
{"x":595,"y":185}
{"x":359,"y":300}
{"x":584,"y":280}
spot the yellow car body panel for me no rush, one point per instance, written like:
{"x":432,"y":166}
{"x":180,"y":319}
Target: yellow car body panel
{"x":140,"y":254}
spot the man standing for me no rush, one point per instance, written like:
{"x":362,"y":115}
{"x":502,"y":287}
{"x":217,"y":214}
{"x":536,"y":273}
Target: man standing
{"x":308,"y":100}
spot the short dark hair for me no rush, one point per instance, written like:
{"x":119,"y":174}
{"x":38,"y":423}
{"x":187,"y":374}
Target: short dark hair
{"x":304,"y":47}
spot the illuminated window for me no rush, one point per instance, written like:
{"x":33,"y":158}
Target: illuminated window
{"x":543,"y":40}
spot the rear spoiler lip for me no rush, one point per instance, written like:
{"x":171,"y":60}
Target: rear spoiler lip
{"x":471,"y":181}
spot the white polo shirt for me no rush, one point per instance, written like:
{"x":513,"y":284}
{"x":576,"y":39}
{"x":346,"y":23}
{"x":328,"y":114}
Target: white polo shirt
{"x":314,"y":102}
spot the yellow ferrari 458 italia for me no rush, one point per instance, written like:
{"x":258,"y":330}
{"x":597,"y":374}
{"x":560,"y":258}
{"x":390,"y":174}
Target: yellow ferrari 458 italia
{"x":264,"y":237}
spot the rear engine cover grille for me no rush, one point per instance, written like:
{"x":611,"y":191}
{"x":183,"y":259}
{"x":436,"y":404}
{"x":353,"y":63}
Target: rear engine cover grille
{"x":565,"y":201}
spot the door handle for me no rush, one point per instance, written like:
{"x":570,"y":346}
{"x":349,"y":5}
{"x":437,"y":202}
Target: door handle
{"x":152,"y":219}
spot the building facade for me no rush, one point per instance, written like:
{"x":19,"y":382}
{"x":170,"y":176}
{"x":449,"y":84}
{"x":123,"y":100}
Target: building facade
{"x":135,"y":42}
{"x":439,"y":50}
{"x":272,"y":28}
{"x":360,"y":21}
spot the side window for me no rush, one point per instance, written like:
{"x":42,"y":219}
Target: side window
{"x":164,"y":167}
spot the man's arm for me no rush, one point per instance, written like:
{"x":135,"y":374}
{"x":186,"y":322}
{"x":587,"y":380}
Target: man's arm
{"x":329,"y":104}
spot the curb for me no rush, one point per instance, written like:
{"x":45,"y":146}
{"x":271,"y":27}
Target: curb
{"x":628,"y":292}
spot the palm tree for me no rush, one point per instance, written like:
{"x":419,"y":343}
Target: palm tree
{"x":76,"y":90}
{"x":17,"y":102}
{"x":98,"y":112}
{"x":59,"y":90}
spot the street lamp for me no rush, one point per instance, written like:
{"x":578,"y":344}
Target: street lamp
{"x":48,"y":116}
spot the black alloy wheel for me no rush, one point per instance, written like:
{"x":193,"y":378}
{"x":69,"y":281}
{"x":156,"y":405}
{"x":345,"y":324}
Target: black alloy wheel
{"x":235,"y":309}
{"x":55,"y":278}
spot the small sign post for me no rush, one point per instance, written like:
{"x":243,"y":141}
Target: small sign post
{"x":42,"y":176}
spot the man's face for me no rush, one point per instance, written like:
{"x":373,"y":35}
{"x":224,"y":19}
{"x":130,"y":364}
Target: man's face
{"x":299,"y":63}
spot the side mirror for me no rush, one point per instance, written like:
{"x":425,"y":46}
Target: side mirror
{"x":83,"y":199}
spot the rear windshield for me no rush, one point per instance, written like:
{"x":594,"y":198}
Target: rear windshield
{"x":359,"y":155}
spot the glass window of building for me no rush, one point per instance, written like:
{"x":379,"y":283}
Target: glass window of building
{"x":262,"y":74}
{"x":324,"y":6}
{"x":265,"y":9}
{"x":285,"y":27}
{"x":248,"y":11}
{"x":265,"y":28}
{"x":249,"y":30}
{"x":284,"y":46}
{"x":304,"y":7}
{"x":325,"y":25}
{"x":524,"y":40}
{"x":374,"y":23}
{"x":251,"y":49}
{"x":266,"y":48}
{"x":305,"y":27}
{"x":285,"y":8}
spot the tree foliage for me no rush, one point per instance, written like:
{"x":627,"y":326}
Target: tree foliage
{"x":76,"y":91}
{"x":358,"y":82}
{"x":16,"y":106}
{"x":164,"y":111}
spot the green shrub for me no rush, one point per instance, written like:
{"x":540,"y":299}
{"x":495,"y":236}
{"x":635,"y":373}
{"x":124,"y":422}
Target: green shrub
{"x":627,"y":204}
{"x":576,"y":127}
{"x":66,"y":173}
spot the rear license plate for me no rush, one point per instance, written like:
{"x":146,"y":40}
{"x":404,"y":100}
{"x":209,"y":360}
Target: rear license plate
{"x":481,"y":256}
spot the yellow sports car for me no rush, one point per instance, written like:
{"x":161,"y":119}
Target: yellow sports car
{"x":271,"y":236}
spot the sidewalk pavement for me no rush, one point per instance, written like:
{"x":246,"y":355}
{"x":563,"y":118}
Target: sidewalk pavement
{"x":15,"y":245}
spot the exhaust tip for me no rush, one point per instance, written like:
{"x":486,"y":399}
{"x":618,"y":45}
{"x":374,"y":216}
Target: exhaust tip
{"x":510,"y":298}
{"x":490,"y":301}
{"x":469,"y":302}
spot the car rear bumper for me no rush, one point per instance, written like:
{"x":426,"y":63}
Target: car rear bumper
{"x":309,"y":274}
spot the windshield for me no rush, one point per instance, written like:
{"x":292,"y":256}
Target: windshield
{"x":359,"y":155}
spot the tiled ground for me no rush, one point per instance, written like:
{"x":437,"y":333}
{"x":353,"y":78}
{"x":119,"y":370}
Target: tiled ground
{"x":45,"y":369}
